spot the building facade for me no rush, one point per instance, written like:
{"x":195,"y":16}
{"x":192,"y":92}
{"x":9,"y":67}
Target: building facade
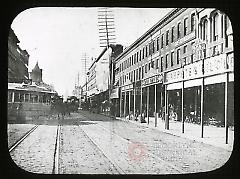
{"x":17,"y":60}
{"x":181,"y":69}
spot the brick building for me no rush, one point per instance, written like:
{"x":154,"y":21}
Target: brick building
{"x":184,"y":62}
{"x":17,"y":60}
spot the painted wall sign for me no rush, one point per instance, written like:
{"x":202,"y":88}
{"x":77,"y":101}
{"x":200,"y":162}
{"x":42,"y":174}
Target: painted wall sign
{"x":193,"y":70}
{"x":216,"y":64}
{"x":174,"y":76}
{"x":152,"y":80}
{"x":185,"y":38}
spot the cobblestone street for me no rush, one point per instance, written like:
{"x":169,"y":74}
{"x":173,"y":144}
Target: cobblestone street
{"x":94,"y":144}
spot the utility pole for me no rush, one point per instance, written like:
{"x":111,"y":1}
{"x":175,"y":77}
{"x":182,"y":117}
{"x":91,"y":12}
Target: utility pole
{"x":85,"y":66}
{"x":107,"y":37}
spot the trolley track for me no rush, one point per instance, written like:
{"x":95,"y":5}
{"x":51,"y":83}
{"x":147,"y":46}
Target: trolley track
{"x":179,"y":170}
{"x":55,"y":169}
{"x":22,"y":138}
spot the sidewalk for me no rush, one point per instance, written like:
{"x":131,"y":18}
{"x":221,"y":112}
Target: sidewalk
{"x":211,"y":135}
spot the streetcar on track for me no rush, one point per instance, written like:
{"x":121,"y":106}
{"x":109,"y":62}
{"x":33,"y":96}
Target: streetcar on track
{"x":28,"y":101}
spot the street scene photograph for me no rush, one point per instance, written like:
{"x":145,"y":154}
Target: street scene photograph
{"x":118,"y":91}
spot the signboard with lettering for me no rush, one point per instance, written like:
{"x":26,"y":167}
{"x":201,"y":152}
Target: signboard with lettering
{"x":152,"y":80}
{"x":214,"y":65}
{"x":230,"y":61}
{"x":174,"y":76}
{"x":193,"y":70}
{"x":114,"y":93}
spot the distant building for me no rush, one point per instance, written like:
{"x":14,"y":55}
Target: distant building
{"x":36,"y":74}
{"x":17,"y":60}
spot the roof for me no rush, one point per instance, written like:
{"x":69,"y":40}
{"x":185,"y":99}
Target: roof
{"x":154,"y":27}
{"x":36,"y":68}
{"x":26,"y":87}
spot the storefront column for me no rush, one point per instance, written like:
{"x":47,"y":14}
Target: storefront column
{"x":125,"y":97}
{"x":148,"y":104}
{"x":24,"y":97}
{"x":120,"y":104}
{"x":134,"y":101}
{"x":129,"y":103}
{"x":166,"y":109}
{"x":155,"y":105}
{"x":141,"y":104}
{"x":183,"y":107}
{"x":202,"y":106}
{"x":13,"y":93}
{"x":226,"y":106}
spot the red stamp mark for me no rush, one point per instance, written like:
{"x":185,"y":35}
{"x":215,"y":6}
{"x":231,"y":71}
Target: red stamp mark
{"x":136,"y":151}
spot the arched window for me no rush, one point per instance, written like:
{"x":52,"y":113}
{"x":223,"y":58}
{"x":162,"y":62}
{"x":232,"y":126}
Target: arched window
{"x":215,"y":26}
{"x":205,"y":29}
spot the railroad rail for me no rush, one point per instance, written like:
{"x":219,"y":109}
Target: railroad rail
{"x":22,"y":138}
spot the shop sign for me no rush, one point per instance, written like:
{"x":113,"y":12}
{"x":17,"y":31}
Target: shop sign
{"x":230,"y":61}
{"x":152,"y":80}
{"x":193,"y":70}
{"x":114,"y":93}
{"x":185,"y":38}
{"x":214,"y":65}
{"x":174,"y":76}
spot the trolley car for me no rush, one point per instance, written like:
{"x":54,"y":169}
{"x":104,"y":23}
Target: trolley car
{"x":28,"y":101}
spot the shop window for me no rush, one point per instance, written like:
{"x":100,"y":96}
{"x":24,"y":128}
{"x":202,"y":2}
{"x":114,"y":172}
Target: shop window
{"x":26,"y":97}
{"x":17,"y":97}
{"x":193,"y":22}
{"x":185,"y":26}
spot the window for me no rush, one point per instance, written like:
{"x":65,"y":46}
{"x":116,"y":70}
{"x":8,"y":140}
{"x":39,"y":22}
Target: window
{"x":136,"y":74}
{"x":172,"y":35}
{"x":185,"y":49}
{"x":162,"y":40}
{"x":178,"y":56}
{"x":215,"y":27}
{"x":152,"y":64}
{"x":146,"y":51}
{"x":157,"y":44}
{"x":172,"y":56}
{"x":137,"y":57}
{"x":167,"y":36}
{"x":153,"y":47}
{"x":161,"y":63}
{"x":157,"y":63}
{"x":143,"y":53}
{"x":179,"y":30}
{"x":139,"y":70}
{"x":193,"y":21}
{"x":140,"y":56}
{"x":185,"y":26}
{"x":205,"y":29}
{"x":142,"y":71}
{"x":146,"y":68}
{"x":150,"y":49}
{"x":149,"y":65}
{"x":166,"y":62}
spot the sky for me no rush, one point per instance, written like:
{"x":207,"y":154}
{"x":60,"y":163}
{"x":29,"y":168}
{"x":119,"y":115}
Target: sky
{"x":60,"y":38}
